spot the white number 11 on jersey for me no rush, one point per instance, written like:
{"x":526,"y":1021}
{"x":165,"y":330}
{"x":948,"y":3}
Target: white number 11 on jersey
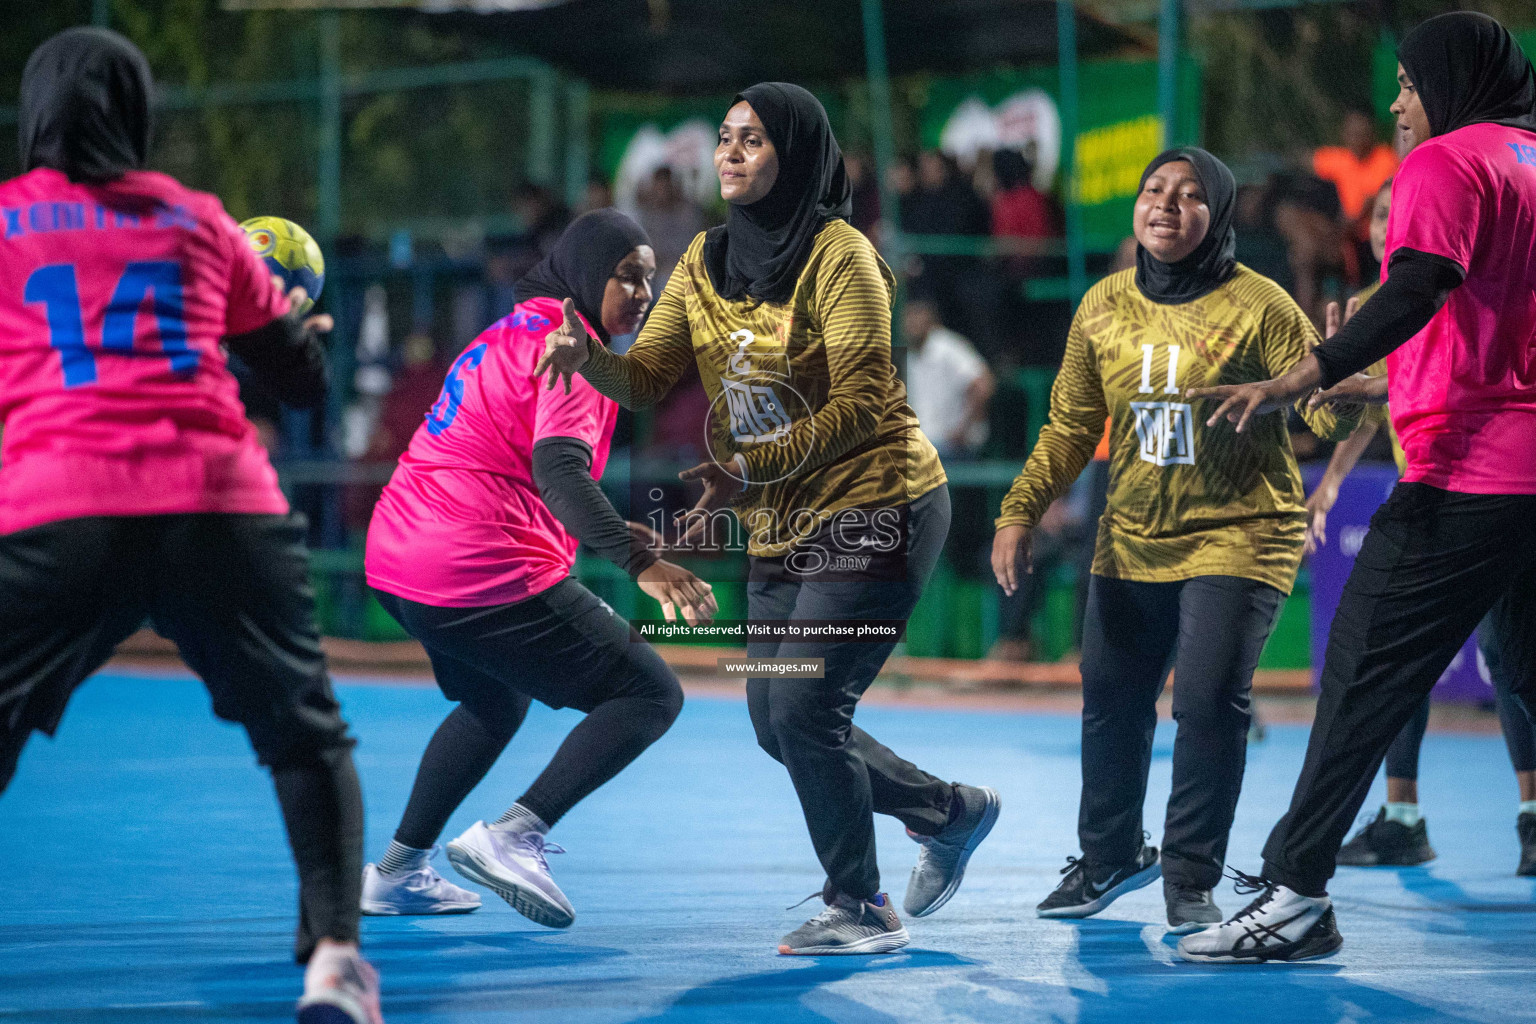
{"x":1172,"y":386}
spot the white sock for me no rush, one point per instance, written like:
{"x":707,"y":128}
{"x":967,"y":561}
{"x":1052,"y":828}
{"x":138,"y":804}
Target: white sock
{"x":520,"y":819}
{"x":1528,"y":806}
{"x":1403,"y":814}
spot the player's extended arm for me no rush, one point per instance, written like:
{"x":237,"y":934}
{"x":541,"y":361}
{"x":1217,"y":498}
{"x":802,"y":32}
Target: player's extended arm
{"x":562,"y":469}
{"x":1417,"y":285}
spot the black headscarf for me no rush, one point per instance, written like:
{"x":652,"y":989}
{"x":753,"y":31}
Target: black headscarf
{"x":1467,"y":68}
{"x":1214,"y":259}
{"x":761,"y":248}
{"x":582,"y":261}
{"x":85,"y":106}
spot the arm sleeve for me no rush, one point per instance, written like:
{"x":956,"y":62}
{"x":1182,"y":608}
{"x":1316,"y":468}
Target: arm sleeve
{"x":286,"y":357}
{"x":1067,"y":441}
{"x":1417,"y":285}
{"x":1286,"y":338}
{"x":562,"y":469}
{"x":853,"y":304}
{"x":642,"y":376}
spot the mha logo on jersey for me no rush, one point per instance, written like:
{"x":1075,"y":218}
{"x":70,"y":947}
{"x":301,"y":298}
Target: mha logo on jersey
{"x":756,"y":411}
{"x":1166,"y":432}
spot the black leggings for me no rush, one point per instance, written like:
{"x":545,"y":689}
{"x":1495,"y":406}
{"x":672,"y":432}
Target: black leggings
{"x":563,"y":647}
{"x":232,"y":591}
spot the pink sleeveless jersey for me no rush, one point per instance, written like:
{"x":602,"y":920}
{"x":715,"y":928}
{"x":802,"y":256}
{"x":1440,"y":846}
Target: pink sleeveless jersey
{"x":114,"y":392}
{"x":461,"y":523}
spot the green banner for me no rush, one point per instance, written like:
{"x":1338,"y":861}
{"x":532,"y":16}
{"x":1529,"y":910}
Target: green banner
{"x":1119,"y":128}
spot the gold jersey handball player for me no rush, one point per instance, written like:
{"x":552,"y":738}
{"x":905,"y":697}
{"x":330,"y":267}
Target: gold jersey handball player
{"x":786,"y":309}
{"x":1198,"y":545}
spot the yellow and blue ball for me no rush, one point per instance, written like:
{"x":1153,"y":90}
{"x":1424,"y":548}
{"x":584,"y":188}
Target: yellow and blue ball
{"x":290,"y":253}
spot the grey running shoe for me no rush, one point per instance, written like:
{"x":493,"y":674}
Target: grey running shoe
{"x":1190,"y":908}
{"x":942,"y":859}
{"x":848,"y":926}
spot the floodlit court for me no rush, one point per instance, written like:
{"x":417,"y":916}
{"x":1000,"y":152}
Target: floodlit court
{"x":147,"y":881}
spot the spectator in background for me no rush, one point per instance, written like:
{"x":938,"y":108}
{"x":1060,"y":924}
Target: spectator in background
{"x":866,"y":195}
{"x":598,"y":195}
{"x":411,"y":394}
{"x":944,"y":203}
{"x":1357,"y":168}
{"x":948,"y":383}
{"x":671,"y":218}
{"x":540,"y":217}
{"x":1260,"y":245}
{"x":1019,"y":210}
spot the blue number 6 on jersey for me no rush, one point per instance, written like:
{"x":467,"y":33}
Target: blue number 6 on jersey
{"x":446,"y":409}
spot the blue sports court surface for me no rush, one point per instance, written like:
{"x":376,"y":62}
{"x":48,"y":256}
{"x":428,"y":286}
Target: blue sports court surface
{"x":146,"y":880}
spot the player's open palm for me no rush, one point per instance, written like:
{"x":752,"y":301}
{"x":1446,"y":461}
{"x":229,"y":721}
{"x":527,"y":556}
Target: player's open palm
{"x":565,"y":349}
{"x":679,"y":592}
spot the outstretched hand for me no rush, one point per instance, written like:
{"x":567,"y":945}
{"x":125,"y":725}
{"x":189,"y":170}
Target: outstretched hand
{"x":566,"y":349}
{"x":720,"y":486}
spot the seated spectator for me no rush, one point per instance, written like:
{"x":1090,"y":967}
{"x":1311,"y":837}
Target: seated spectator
{"x":948,"y":384}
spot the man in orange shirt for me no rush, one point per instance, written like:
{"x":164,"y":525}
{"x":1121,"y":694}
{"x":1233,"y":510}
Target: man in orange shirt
{"x":1357,"y":169}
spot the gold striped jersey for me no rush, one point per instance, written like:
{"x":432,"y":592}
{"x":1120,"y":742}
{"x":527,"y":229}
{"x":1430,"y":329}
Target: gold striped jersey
{"x":805,"y":390}
{"x":1185,"y":499}
{"x":1381,"y":415}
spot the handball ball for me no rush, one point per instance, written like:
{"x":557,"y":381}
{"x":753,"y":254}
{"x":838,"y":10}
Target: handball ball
{"x":290,"y":253}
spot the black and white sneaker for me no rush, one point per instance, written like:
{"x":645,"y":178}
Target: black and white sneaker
{"x":1089,"y":888}
{"x":1280,"y":925}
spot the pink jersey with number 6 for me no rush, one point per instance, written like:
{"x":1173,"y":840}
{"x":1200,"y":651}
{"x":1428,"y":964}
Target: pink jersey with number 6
{"x":461,"y":523}
{"x":114,"y":391}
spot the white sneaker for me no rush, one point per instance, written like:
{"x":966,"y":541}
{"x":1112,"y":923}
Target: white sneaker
{"x":512,"y":865}
{"x":1280,"y":925}
{"x":422,"y":891}
{"x":340,"y":987}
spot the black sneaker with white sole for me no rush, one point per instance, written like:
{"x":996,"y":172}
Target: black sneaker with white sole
{"x":1190,"y":908}
{"x":1281,"y":925}
{"x":1386,"y":843}
{"x":1089,"y":888}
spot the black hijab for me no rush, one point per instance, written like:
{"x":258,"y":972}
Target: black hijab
{"x":582,"y":261}
{"x":1467,"y":68}
{"x":761,"y":248}
{"x":1214,"y":259}
{"x":85,"y":98}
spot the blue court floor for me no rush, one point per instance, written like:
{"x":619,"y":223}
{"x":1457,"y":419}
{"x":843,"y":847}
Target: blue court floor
{"x":146,"y":880}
